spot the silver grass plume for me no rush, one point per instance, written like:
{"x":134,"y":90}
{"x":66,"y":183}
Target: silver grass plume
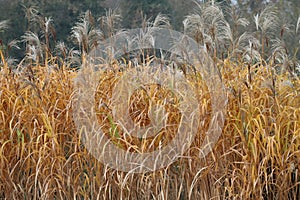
{"x":110,"y":23}
{"x":4,"y":25}
{"x":85,"y":33}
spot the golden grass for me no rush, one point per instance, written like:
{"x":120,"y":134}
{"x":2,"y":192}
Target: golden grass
{"x":256,"y":157}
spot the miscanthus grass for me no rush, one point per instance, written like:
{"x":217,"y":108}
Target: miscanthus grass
{"x":257,"y":156}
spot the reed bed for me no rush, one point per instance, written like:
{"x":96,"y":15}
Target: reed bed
{"x":257,"y":156}
{"x":42,"y":155}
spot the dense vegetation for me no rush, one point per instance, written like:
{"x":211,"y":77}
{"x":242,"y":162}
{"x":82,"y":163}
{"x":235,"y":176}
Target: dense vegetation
{"x":65,"y":14}
{"x":256,"y":54}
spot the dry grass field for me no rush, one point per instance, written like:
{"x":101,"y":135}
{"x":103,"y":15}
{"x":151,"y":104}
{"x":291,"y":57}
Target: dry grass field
{"x":256,"y":157}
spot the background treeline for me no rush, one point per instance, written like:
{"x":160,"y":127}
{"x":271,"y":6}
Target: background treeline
{"x":65,"y":13}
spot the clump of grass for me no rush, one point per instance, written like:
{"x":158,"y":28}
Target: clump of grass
{"x":257,"y":156}
{"x":42,"y":155}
